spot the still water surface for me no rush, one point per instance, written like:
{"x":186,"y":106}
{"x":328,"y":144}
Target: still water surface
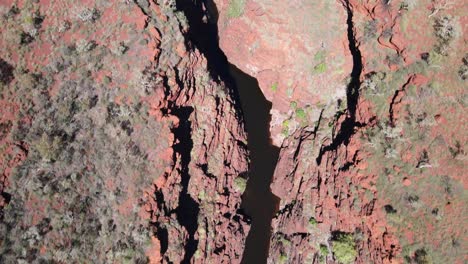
{"x":258,"y":202}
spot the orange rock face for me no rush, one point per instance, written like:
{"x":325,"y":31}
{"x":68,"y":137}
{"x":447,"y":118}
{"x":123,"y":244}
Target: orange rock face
{"x":370,"y":136}
{"x":113,"y":138}
{"x":294,"y":58}
{"x":122,"y":139}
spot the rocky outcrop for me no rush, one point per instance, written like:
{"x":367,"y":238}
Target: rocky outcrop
{"x":121,"y":137}
{"x":353,"y":168}
{"x":118,"y":143}
{"x":298,"y":62}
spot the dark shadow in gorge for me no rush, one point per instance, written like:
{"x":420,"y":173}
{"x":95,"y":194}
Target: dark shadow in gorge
{"x":258,"y":201}
{"x":347,"y":127}
{"x":202,"y":16}
{"x":187,"y":211}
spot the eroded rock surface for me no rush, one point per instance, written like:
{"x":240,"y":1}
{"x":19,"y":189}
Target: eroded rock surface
{"x":296,"y":49}
{"x":118,"y":146}
{"x":122,"y":141}
{"x":362,"y":176}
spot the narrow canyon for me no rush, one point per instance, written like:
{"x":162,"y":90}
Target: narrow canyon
{"x":233,"y":131}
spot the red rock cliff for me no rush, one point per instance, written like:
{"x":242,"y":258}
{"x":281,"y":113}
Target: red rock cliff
{"x":369,"y":100}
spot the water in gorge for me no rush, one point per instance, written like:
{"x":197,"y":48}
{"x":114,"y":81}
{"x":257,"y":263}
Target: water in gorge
{"x":258,"y":202}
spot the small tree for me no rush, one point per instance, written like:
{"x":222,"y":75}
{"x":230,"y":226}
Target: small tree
{"x":344,"y":248}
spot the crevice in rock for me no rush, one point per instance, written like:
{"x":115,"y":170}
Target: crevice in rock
{"x":188,"y":209}
{"x":202,"y":18}
{"x":347,"y":127}
{"x":396,"y":99}
{"x":163,"y":238}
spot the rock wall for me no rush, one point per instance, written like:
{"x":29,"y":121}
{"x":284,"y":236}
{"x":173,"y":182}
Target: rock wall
{"x":355,"y":169}
{"x":122,"y":141}
{"x":118,"y":144}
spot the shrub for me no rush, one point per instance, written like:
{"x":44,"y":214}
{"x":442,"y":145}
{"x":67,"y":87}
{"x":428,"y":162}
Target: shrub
{"x":370,"y":30}
{"x":445,"y":32}
{"x":421,"y":256}
{"x":323,"y":250}
{"x":293,"y":105}
{"x":456,"y":150}
{"x":26,"y":38}
{"x":274,"y":87}
{"x":463,"y":71}
{"x":240,"y":184}
{"x":283,"y":258}
{"x":320,"y":68}
{"x":6,"y":72}
{"x":389,"y":209}
{"x":313,"y":221}
{"x":235,"y":8}
{"x":48,"y":147}
{"x":285,"y":129}
{"x":89,"y":15}
{"x":323,"y":253}
{"x":301,"y":114}
{"x":320,"y":56}
{"x":344,"y":248}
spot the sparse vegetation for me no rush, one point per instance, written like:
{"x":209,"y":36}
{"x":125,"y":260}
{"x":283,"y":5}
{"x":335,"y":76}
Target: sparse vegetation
{"x":370,"y":30}
{"x":319,"y":59}
{"x":83,"y":153}
{"x":301,"y":114}
{"x":323,"y":250}
{"x":344,"y":248}
{"x":320,"y":55}
{"x":235,"y":8}
{"x":320,"y":68}
{"x":6,"y":72}
{"x":285,"y":128}
{"x":445,"y":32}
{"x":463,"y":71}
{"x":439,"y":5}
{"x":89,"y":15}
{"x":313,"y":221}
{"x":240,"y":184}
{"x":274,"y":87}
{"x":283,"y":259}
